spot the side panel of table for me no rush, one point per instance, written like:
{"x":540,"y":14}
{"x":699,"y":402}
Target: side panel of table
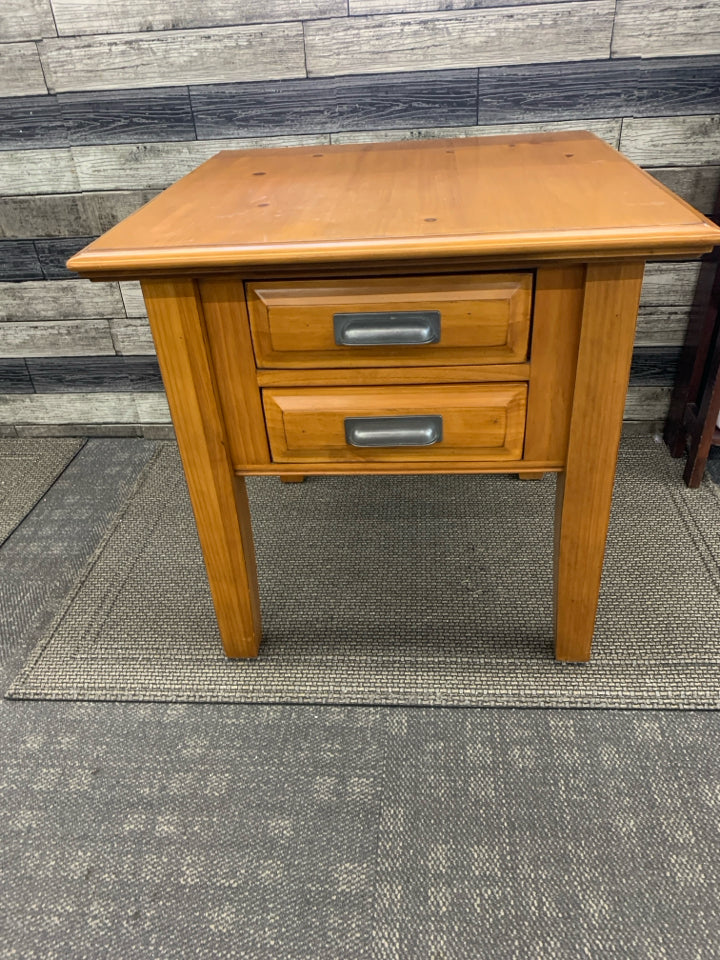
{"x":218,"y":497}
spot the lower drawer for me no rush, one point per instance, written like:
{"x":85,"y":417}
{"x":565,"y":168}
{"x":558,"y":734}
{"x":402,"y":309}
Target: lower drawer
{"x":475,"y":422}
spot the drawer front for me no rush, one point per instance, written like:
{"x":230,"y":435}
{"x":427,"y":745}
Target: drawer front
{"x":391,"y":321}
{"x":477,"y":422}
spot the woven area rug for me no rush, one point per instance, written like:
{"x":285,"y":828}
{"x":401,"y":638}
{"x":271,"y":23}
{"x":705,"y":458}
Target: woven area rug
{"x":27,"y":469}
{"x":389,"y":590}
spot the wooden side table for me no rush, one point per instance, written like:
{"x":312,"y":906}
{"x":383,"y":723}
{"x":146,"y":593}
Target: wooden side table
{"x":417,"y":307}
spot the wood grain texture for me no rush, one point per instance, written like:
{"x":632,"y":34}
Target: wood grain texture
{"x":668,"y":141}
{"x":14,"y":377}
{"x":654,"y":366}
{"x":602,"y":88}
{"x":647,"y":402}
{"x":219,"y":499}
{"x":21,"y":74}
{"x":133,"y":299}
{"x":661,"y":326}
{"x":56,"y":338}
{"x":131,"y":335}
{"x":482,"y":421}
{"x":669,"y":283}
{"x":75,"y":17}
{"x":68,"y":408}
{"x":95,"y":374}
{"x":607,"y":130}
{"x":59,"y":300}
{"x":19,"y":261}
{"x":358,"y":7}
{"x":29,"y":20}
{"x":152,"y":408}
{"x":67,"y":215}
{"x":665,"y":28}
{"x":698,"y":185}
{"x":31,"y":122}
{"x":386,"y":376}
{"x":348,"y":103}
{"x":542,"y":33}
{"x":53,"y":255}
{"x":584,"y":489}
{"x":127,"y":116}
{"x":171,"y":58}
{"x":484,"y":318}
{"x":539,"y":196}
{"x":37,"y":171}
{"x":157,"y":165}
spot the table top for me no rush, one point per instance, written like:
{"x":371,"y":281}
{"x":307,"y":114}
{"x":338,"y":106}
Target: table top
{"x":563,"y":195}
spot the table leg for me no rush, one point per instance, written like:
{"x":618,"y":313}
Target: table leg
{"x":218,"y":496}
{"x":584,"y":489}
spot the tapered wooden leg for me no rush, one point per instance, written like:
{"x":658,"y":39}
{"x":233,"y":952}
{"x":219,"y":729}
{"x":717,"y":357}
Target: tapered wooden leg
{"x":218,"y":496}
{"x":584,"y":490}
{"x":292,"y":477}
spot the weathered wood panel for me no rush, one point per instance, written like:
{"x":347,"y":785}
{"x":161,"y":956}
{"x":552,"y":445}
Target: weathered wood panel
{"x":669,"y":283}
{"x":59,"y":300}
{"x":152,"y":408}
{"x":77,"y":430}
{"x":14,"y":377}
{"x":358,"y":7}
{"x":27,"y":122}
{"x":37,"y":171}
{"x":127,"y":116}
{"x":68,"y":215}
{"x":160,"y":164}
{"x":661,"y":326}
{"x":95,"y":374}
{"x":666,"y":28}
{"x":19,"y":261}
{"x":132,"y":336}
{"x":671,"y":141}
{"x":69,"y":408}
{"x":56,"y":338}
{"x":605,"y":88}
{"x":698,"y":185}
{"x":53,"y":255}
{"x":654,"y":366}
{"x":537,"y":34}
{"x":647,"y":403}
{"x":609,"y":130}
{"x":174,"y":58}
{"x":20,"y":72}
{"x":29,"y":20}
{"x":133,"y":298}
{"x":76,"y":17}
{"x":344,"y":103}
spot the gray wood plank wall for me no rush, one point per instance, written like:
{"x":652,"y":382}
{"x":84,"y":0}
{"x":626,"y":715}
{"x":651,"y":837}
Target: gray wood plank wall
{"x":102,"y":105}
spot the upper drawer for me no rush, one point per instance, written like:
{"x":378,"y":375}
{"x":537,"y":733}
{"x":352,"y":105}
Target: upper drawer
{"x":391,"y":321}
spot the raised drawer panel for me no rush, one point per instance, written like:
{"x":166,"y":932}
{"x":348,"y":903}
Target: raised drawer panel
{"x":475,"y":319}
{"x":481,"y":421}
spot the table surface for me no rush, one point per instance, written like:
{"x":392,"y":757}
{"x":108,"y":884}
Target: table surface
{"x":547,"y":195}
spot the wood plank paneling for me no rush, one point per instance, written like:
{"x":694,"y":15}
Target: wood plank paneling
{"x":161,"y":164}
{"x":152,"y":408}
{"x":133,"y":298}
{"x":226,"y":54}
{"x":605,"y":88}
{"x":37,"y":171}
{"x":27,"y":122}
{"x":68,"y":215}
{"x":59,"y":300}
{"x":19,"y":261}
{"x":56,"y":338}
{"x":69,"y":408}
{"x":698,"y":185}
{"x":347,"y":103}
{"x":29,"y":20}
{"x":647,"y":403}
{"x":358,"y":7}
{"x":14,"y":377}
{"x":669,"y":283}
{"x":20,"y":72}
{"x":666,"y":28}
{"x":127,"y":116}
{"x":654,"y":366}
{"x":76,"y":17}
{"x":132,"y":336}
{"x":609,"y":130}
{"x":537,"y":34}
{"x":95,"y":374}
{"x":53,"y":254}
{"x":671,"y":141}
{"x":661,"y":326}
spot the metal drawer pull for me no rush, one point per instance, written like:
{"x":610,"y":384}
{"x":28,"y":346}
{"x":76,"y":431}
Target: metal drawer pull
{"x":406,"y":327}
{"x":393,"y":431}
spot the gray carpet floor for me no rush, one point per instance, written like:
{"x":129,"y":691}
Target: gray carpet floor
{"x":242,"y":831}
{"x":399,"y":590}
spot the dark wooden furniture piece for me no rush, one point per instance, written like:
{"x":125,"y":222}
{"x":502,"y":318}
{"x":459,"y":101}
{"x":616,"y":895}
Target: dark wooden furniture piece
{"x":442,"y":306}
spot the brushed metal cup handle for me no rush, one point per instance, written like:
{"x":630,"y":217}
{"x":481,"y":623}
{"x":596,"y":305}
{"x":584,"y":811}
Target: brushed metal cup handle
{"x":387,"y":328}
{"x":421,"y":431}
